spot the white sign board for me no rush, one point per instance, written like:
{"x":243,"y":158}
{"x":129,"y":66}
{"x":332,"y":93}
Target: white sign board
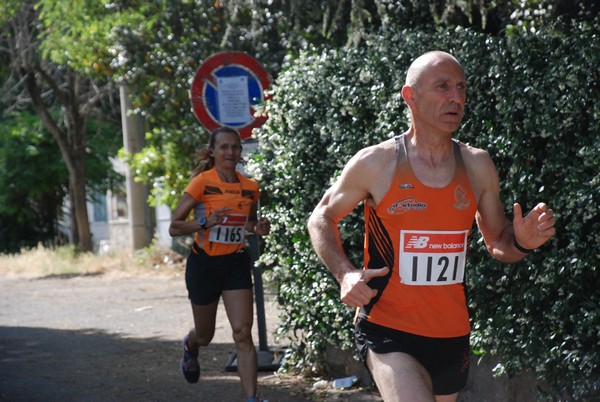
{"x":234,"y":101}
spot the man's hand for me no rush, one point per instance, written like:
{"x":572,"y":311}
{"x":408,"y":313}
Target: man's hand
{"x":355,"y":291}
{"x":534,"y":229}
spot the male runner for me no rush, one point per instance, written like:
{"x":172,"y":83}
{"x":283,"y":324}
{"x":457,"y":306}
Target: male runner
{"x":421,"y":192}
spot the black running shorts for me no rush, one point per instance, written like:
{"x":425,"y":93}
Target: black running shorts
{"x":206,"y":277}
{"x":445,"y":359}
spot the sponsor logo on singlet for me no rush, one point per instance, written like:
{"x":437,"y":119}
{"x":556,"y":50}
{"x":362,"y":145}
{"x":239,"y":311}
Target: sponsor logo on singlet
{"x":406,"y":204}
{"x":460,"y":196}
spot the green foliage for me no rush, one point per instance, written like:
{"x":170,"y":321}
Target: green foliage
{"x":548,"y":314}
{"x":533,"y":104}
{"x":8,"y":8}
{"x":156,"y":47}
{"x":163,"y":167}
{"x":158,"y":60}
{"x":103,"y":143}
{"x":34,"y":179}
{"x":32,"y":183}
{"x":160,"y":57}
{"x":81,"y":38}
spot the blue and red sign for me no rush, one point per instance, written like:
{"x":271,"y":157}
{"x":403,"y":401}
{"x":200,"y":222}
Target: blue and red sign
{"x":226,"y":89}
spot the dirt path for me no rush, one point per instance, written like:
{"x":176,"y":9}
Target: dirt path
{"x":111,"y":338}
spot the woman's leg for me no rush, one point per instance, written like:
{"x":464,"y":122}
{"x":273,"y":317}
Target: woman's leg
{"x":240,"y":311}
{"x":204,"y":325}
{"x":201,"y":335}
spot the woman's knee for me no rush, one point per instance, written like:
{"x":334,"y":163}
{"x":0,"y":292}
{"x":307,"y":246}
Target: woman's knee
{"x":204,"y":337}
{"x":242,"y":334}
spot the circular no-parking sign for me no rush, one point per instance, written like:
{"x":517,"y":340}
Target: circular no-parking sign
{"x":226,"y":89}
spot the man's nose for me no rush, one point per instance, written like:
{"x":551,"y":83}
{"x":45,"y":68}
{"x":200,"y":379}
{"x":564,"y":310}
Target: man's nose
{"x":455,"y":96}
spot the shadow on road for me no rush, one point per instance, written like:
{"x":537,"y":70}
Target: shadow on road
{"x":39,"y":364}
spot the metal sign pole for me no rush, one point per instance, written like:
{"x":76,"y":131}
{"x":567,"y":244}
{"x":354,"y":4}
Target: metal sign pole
{"x":268,"y":359}
{"x":259,"y":296}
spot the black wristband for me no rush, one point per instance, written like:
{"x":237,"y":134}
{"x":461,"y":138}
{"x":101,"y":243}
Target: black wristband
{"x":521,"y":248}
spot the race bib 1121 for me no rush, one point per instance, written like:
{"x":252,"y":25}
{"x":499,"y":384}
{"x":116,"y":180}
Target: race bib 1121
{"x":430,"y":258}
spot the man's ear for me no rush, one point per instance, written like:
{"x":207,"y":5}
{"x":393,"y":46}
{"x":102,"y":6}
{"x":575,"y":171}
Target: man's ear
{"x":408,"y":94}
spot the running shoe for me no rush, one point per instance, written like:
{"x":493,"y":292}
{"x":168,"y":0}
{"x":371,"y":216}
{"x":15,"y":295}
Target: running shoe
{"x":256,"y":399}
{"x":189,"y":363}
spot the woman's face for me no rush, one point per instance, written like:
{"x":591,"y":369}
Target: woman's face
{"x":227,"y":150}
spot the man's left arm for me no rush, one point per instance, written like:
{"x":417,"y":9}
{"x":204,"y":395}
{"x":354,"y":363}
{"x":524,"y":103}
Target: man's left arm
{"x":534,"y":229}
{"x":509,"y":241}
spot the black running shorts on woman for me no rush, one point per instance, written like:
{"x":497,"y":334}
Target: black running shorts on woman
{"x":445,"y":359}
{"x":206,"y":277}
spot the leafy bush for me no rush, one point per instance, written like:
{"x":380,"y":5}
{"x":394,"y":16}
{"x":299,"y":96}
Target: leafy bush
{"x":544,"y":313}
{"x":533,"y":104}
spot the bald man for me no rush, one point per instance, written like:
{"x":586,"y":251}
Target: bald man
{"x":421,"y":191}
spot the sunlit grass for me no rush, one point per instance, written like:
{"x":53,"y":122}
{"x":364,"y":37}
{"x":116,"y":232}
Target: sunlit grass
{"x":65,"y":260}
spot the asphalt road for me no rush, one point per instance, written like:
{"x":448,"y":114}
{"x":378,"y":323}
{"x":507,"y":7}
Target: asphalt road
{"x":111,"y":338}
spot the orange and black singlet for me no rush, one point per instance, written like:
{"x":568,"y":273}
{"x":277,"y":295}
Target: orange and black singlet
{"x":422,"y":233}
{"x":212,"y":193}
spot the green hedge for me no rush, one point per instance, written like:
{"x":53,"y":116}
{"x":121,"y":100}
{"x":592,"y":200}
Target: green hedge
{"x":533,"y":103}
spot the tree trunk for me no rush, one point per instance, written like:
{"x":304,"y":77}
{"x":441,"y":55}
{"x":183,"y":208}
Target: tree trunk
{"x":73,"y":229}
{"x":79,"y":211}
{"x":72,"y":143}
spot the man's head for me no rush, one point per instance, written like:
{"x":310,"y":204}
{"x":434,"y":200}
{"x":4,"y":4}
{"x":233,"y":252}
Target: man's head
{"x":421,"y":63}
{"x":435,"y":92}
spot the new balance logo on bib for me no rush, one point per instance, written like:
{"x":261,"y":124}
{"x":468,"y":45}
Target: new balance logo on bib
{"x":431,"y":258}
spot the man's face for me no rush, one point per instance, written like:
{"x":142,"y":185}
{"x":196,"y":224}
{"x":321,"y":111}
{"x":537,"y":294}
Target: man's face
{"x":440,"y":97}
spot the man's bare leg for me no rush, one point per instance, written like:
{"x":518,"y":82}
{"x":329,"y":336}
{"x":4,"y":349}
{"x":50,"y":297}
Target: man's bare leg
{"x":400,"y":377}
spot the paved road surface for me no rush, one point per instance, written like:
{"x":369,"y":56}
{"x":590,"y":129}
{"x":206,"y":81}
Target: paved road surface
{"x":111,"y":338}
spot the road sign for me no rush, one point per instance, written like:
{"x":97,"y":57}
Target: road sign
{"x":226,"y":89}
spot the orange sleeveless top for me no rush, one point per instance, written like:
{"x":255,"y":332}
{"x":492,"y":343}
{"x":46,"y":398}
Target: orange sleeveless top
{"x":422,"y":232}
{"x":212,"y":193}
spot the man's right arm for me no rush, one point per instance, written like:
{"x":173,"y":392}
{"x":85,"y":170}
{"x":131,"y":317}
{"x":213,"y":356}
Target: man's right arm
{"x":324,"y":231}
{"x":338,"y":202}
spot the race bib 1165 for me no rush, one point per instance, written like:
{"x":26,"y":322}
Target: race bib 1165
{"x":231,"y":231}
{"x":430,"y":258}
